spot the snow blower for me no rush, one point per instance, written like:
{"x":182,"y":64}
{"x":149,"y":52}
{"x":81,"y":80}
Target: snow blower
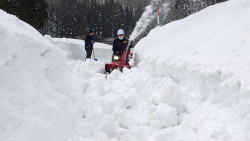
{"x":120,"y":60}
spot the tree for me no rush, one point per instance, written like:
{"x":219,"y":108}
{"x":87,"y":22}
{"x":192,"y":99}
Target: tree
{"x":33,"y":12}
{"x":182,"y":9}
{"x":72,"y":18}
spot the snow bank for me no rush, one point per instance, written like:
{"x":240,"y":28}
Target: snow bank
{"x":39,"y":95}
{"x":75,"y":49}
{"x":192,"y":83}
{"x":207,"y":57}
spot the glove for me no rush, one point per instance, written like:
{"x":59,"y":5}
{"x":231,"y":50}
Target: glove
{"x":118,"y":53}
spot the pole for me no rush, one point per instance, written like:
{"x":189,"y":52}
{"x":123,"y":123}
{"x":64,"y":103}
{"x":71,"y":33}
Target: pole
{"x":158,"y":16}
{"x":94,"y":55}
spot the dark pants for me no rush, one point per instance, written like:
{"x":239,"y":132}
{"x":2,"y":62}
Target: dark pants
{"x":88,"y":54}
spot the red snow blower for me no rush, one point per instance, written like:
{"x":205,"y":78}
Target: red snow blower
{"x":120,"y":60}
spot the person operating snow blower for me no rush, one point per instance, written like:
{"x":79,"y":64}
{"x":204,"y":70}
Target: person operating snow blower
{"x":89,"y":41}
{"x":120,"y":43}
{"x":121,"y":53}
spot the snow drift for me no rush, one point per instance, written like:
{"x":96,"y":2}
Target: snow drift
{"x":75,"y":49}
{"x":39,"y":94}
{"x":192,"y":83}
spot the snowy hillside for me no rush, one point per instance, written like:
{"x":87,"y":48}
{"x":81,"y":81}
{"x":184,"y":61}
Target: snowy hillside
{"x":192,"y":83}
{"x":40,"y":97}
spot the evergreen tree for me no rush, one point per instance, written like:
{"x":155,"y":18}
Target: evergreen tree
{"x":33,"y":12}
{"x":73,"y":19}
{"x":53,"y":25}
{"x":181,"y":9}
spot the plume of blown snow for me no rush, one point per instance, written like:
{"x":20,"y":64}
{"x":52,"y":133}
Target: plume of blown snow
{"x":149,"y":16}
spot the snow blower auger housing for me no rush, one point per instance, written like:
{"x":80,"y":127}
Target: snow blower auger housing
{"x":120,"y":60}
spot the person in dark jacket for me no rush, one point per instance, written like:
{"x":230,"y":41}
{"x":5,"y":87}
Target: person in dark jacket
{"x":120,"y":43}
{"x":89,"y":44}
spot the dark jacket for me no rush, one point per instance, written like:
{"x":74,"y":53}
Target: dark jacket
{"x":89,"y":43}
{"x":119,"y":45}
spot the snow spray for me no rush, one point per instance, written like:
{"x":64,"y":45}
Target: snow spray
{"x":143,"y":23}
{"x":149,"y":16}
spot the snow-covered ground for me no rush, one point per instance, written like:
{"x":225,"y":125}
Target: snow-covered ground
{"x":191,"y":84}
